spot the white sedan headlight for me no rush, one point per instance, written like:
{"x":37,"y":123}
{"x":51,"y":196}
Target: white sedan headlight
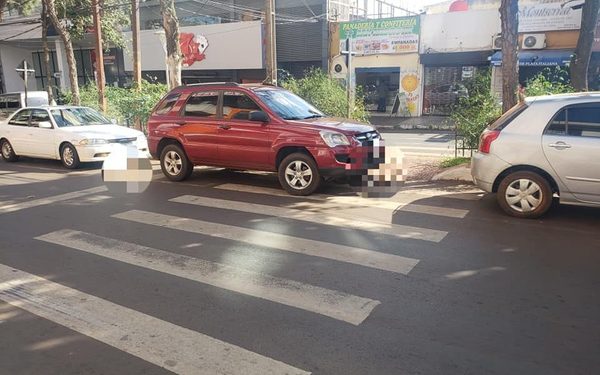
{"x":93,"y":141}
{"x":333,"y":139}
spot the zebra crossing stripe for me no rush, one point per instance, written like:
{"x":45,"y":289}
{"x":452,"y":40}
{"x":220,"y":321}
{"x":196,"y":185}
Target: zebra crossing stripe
{"x":175,"y":348}
{"x":402,"y":204}
{"x":8,"y":208}
{"x":347,"y":254}
{"x":331,"y":303}
{"x":402,"y":231}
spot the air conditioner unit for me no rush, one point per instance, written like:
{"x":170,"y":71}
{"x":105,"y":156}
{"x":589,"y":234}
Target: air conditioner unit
{"x":338,"y":68}
{"x":533,"y":41}
{"x":497,"y":42}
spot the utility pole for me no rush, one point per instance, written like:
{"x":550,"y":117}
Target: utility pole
{"x":271,"y":42}
{"x":350,"y":80}
{"x":135,"y":34}
{"x":100,"y":80}
{"x":24,"y":70}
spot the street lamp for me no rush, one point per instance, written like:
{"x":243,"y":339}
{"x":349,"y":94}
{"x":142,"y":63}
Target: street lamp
{"x":163,"y":42}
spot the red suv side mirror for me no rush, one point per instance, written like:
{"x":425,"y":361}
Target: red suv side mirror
{"x":258,"y":116}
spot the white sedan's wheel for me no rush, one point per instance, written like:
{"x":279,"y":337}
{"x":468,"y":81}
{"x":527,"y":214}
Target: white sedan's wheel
{"x":8,"y":154}
{"x":69,"y":156}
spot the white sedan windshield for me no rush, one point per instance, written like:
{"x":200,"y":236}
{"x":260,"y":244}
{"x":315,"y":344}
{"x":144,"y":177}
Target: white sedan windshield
{"x":78,"y":117}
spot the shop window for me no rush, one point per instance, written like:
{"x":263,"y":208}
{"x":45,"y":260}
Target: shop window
{"x":444,"y":87}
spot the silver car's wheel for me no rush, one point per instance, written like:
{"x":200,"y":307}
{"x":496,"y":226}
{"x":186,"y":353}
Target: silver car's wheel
{"x":524,"y":195}
{"x":298,"y":175}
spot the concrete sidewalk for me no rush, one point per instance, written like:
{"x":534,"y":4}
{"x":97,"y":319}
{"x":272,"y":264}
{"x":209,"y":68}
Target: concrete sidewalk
{"x":385,"y":122}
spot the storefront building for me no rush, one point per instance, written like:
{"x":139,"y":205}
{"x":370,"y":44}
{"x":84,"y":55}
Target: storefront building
{"x":385,"y":63}
{"x":451,"y":52}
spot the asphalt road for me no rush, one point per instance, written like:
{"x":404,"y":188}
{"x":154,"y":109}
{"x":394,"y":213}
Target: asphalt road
{"x":226,"y":274}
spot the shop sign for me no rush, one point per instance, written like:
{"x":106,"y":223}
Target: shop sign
{"x":548,"y":15}
{"x":409,"y":85}
{"x":467,"y":72}
{"x":383,"y":36}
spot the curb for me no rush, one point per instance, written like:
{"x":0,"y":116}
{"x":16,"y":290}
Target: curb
{"x":460,"y":172}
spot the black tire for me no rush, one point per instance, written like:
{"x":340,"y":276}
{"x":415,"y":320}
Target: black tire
{"x":535,"y":188}
{"x":8,"y":153}
{"x":69,"y":156}
{"x":175,"y":164}
{"x":294,"y":185}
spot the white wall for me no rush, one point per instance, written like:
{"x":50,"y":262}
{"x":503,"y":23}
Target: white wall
{"x":230,"y":46}
{"x":459,"y":31}
{"x":11,"y":58}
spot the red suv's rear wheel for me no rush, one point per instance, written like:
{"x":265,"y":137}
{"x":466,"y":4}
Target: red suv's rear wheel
{"x":299,"y":175}
{"x":175,"y":164}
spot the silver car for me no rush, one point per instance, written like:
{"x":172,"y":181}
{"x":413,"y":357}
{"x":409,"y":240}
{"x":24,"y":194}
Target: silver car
{"x":545,"y":148}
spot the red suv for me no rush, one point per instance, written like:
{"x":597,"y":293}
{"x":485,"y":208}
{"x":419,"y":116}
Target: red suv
{"x":256,"y":127}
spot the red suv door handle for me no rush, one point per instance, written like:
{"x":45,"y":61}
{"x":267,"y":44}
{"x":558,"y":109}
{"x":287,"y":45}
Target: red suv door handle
{"x":224,"y":127}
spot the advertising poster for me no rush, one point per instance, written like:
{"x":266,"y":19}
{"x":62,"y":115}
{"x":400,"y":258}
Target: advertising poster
{"x":386,"y":36}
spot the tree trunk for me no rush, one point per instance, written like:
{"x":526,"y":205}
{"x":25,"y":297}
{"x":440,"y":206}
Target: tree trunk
{"x":171,"y":26}
{"x":46,"y":52}
{"x":509,"y":10}
{"x":66,"y":38}
{"x":581,"y":58}
{"x":3,"y":4}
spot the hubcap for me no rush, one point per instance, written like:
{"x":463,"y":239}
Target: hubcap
{"x":298,"y":174}
{"x":173,"y":163}
{"x":6,"y":150}
{"x":523,"y":195}
{"x":68,"y":155}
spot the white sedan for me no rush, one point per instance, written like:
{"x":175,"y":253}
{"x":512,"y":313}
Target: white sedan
{"x":70,"y":134}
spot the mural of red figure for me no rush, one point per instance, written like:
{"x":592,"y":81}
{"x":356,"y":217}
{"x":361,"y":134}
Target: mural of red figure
{"x":192,"y":48}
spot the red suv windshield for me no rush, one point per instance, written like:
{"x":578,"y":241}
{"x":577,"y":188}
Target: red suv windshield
{"x":287,"y":105}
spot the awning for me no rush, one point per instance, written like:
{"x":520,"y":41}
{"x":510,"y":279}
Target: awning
{"x":455,"y":58}
{"x":537,"y":58}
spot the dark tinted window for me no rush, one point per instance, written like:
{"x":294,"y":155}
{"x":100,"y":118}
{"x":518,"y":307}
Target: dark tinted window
{"x":166,"y":106}
{"x":21,"y":118}
{"x":237,"y":106}
{"x":203,"y":104}
{"x":14,"y":104}
{"x":584,"y":121}
{"x":507,"y":117}
{"x":558,"y":126}
{"x":39,"y":115}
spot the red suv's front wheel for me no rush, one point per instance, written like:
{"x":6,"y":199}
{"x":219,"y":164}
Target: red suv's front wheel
{"x":299,"y":175}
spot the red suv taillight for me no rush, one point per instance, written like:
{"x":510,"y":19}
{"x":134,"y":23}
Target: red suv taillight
{"x":486,"y":139}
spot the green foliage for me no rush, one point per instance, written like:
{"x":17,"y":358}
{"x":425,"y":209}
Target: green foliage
{"x":24,"y":7}
{"x":125,"y":105}
{"x":549,"y":81}
{"x":326,"y":94}
{"x":453,"y":162}
{"x":115,"y":15}
{"x":474,"y":113}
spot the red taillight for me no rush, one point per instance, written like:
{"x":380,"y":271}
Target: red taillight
{"x":486,"y":139}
